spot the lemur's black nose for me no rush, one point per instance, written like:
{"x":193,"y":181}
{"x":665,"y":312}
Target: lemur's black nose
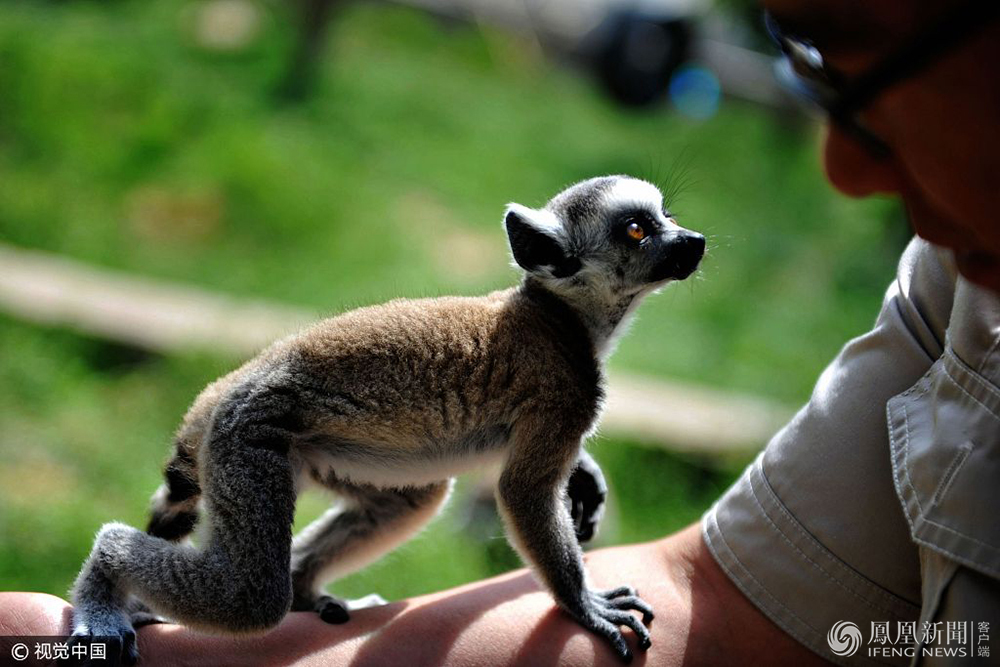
{"x":686,"y":250}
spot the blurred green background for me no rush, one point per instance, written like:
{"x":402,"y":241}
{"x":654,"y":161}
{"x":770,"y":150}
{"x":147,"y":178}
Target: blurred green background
{"x":126,"y":143}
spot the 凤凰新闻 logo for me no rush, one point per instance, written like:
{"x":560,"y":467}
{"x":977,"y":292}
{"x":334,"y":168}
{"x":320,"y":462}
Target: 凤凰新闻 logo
{"x":844,"y":638}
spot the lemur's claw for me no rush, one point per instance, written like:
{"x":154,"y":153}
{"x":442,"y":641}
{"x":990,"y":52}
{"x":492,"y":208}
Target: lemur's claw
{"x":626,"y":597}
{"x":608,"y":611}
{"x":332,"y":610}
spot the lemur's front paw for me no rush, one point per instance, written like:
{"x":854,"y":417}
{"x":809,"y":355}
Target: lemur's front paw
{"x":330,"y":609}
{"x":586,"y":493}
{"x":114,"y":632}
{"x":605,"y":612}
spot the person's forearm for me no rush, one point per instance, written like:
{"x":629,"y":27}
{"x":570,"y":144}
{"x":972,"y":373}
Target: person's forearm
{"x":702,"y":619}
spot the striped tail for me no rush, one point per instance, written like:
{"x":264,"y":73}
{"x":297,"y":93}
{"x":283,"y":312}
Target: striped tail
{"x":175,"y":504}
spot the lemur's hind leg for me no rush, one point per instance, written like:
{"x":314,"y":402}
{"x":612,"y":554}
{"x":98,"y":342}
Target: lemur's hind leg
{"x":173,"y":513}
{"x":368,"y":523}
{"x":239,"y":581}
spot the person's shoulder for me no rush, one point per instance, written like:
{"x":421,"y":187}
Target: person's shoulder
{"x":924,"y":293}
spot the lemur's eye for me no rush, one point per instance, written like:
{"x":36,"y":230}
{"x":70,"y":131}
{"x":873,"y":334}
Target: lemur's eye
{"x":635,"y":231}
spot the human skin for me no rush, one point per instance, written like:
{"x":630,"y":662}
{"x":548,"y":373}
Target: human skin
{"x":702,"y":619}
{"x":942,"y":125}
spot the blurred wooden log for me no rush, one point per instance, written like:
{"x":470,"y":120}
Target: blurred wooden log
{"x":684,"y":417}
{"x":154,"y":315}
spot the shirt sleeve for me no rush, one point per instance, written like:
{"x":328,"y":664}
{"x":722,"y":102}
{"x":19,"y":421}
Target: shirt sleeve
{"x":813,"y":532}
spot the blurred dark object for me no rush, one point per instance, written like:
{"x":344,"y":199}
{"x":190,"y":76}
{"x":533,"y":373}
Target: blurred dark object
{"x":313,"y":18}
{"x":635,"y":55}
{"x":632,"y":47}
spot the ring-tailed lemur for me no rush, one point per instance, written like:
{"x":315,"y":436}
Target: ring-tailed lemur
{"x":386,"y":404}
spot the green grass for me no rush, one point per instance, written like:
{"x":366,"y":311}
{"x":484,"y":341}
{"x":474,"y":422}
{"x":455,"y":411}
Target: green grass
{"x":124,"y":144}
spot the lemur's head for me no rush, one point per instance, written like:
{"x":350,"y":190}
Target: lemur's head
{"x":609,"y":235}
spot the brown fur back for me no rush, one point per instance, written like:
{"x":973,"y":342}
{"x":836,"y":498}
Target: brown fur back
{"x":407,"y":380}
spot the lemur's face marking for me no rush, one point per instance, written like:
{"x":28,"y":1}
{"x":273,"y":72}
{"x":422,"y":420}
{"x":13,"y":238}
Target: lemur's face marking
{"x":610,"y":233}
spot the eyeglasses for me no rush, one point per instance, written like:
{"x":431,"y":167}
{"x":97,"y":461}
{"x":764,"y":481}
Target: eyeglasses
{"x":803,"y":70}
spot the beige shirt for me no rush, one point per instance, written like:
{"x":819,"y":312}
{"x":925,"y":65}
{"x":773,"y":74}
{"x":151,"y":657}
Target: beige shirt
{"x":878,"y":505}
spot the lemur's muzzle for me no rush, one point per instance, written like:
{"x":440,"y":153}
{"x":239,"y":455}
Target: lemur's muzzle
{"x":680,"y":256}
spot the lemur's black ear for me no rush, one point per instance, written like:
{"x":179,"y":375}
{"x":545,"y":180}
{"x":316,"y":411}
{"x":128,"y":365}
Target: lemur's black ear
{"x":535,"y":244}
